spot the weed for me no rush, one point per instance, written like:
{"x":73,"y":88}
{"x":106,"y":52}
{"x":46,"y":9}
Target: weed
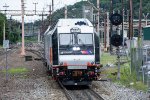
{"x":19,"y":70}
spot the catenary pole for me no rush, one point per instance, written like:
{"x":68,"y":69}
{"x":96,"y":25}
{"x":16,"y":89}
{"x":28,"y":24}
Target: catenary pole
{"x":22,"y":10}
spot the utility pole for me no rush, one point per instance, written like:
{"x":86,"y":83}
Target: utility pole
{"x":65,"y":11}
{"x":98,"y":14}
{"x":131,"y":33}
{"x":140,"y":15}
{"x":140,"y":51}
{"x":123,"y":21}
{"x":107,"y":29}
{"x":10,"y":25}
{"x":50,"y":14}
{"x":111,"y":26}
{"x":52,"y":5}
{"x":22,"y":10}
{"x":4,"y":38}
{"x":131,"y":19}
{"x":42,"y":27}
{"x":35,"y":7}
{"x":4,"y":32}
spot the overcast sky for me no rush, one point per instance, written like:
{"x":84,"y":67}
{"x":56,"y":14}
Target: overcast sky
{"x":16,"y":5}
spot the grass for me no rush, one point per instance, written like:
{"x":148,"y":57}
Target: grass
{"x":126,"y":79}
{"x":19,"y":70}
{"x":106,"y":58}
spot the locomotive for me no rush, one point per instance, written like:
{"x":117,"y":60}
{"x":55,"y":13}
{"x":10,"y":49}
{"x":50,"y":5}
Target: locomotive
{"x":72,"y":51}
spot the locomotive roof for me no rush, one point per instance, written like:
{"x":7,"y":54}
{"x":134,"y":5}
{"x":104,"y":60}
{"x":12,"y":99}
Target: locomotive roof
{"x":74,"y":21}
{"x":64,"y":25}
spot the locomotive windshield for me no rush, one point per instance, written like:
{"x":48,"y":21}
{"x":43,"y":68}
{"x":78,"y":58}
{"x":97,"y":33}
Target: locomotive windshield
{"x":76,"y":39}
{"x":66,"y":39}
{"x":76,"y":44}
{"x":85,"y":39}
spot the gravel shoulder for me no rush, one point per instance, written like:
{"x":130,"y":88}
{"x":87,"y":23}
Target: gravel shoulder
{"x":33,"y":85}
{"x":113,"y":91}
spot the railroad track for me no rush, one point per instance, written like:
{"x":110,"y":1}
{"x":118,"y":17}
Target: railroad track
{"x":79,"y":93}
{"x":36,"y":49}
{"x":95,"y":94}
{"x":67,"y":93}
{"x":3,"y":52}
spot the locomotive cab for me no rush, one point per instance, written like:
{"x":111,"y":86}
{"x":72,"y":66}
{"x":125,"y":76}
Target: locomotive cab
{"x":75,"y":52}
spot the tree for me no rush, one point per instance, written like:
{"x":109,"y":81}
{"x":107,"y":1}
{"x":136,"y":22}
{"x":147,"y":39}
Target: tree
{"x":14,"y":30}
{"x":2,"y":19}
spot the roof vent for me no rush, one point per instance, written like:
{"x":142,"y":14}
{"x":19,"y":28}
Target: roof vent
{"x":80,"y":23}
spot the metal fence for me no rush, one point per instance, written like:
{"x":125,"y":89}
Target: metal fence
{"x":141,"y":61}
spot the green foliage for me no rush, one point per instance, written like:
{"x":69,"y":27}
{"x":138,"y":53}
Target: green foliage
{"x":31,"y":39}
{"x":117,"y":5}
{"x":12,"y":29}
{"x":2,"y":18}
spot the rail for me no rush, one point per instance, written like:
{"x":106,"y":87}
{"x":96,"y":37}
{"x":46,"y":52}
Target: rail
{"x":95,"y":94}
{"x":69,"y":97}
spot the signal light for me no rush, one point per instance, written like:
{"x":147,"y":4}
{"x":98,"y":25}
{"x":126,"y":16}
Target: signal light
{"x":116,"y":40}
{"x":116,"y":19}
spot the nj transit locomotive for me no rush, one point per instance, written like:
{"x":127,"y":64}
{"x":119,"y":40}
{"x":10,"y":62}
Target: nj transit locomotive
{"x":72,"y":51}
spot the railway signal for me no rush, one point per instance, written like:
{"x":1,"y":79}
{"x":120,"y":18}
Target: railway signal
{"x":116,"y":40}
{"x":116,"y":19}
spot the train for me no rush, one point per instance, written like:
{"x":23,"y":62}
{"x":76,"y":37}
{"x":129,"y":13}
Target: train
{"x":72,"y":51}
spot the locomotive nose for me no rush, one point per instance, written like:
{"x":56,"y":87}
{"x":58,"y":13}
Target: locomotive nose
{"x":76,"y":59}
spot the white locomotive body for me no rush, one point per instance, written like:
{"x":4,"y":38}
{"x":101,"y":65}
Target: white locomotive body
{"x":72,"y":51}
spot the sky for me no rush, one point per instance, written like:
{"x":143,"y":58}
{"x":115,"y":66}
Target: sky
{"x":16,"y":5}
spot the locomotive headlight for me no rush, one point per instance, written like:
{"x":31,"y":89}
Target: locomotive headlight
{"x":76,"y":48}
